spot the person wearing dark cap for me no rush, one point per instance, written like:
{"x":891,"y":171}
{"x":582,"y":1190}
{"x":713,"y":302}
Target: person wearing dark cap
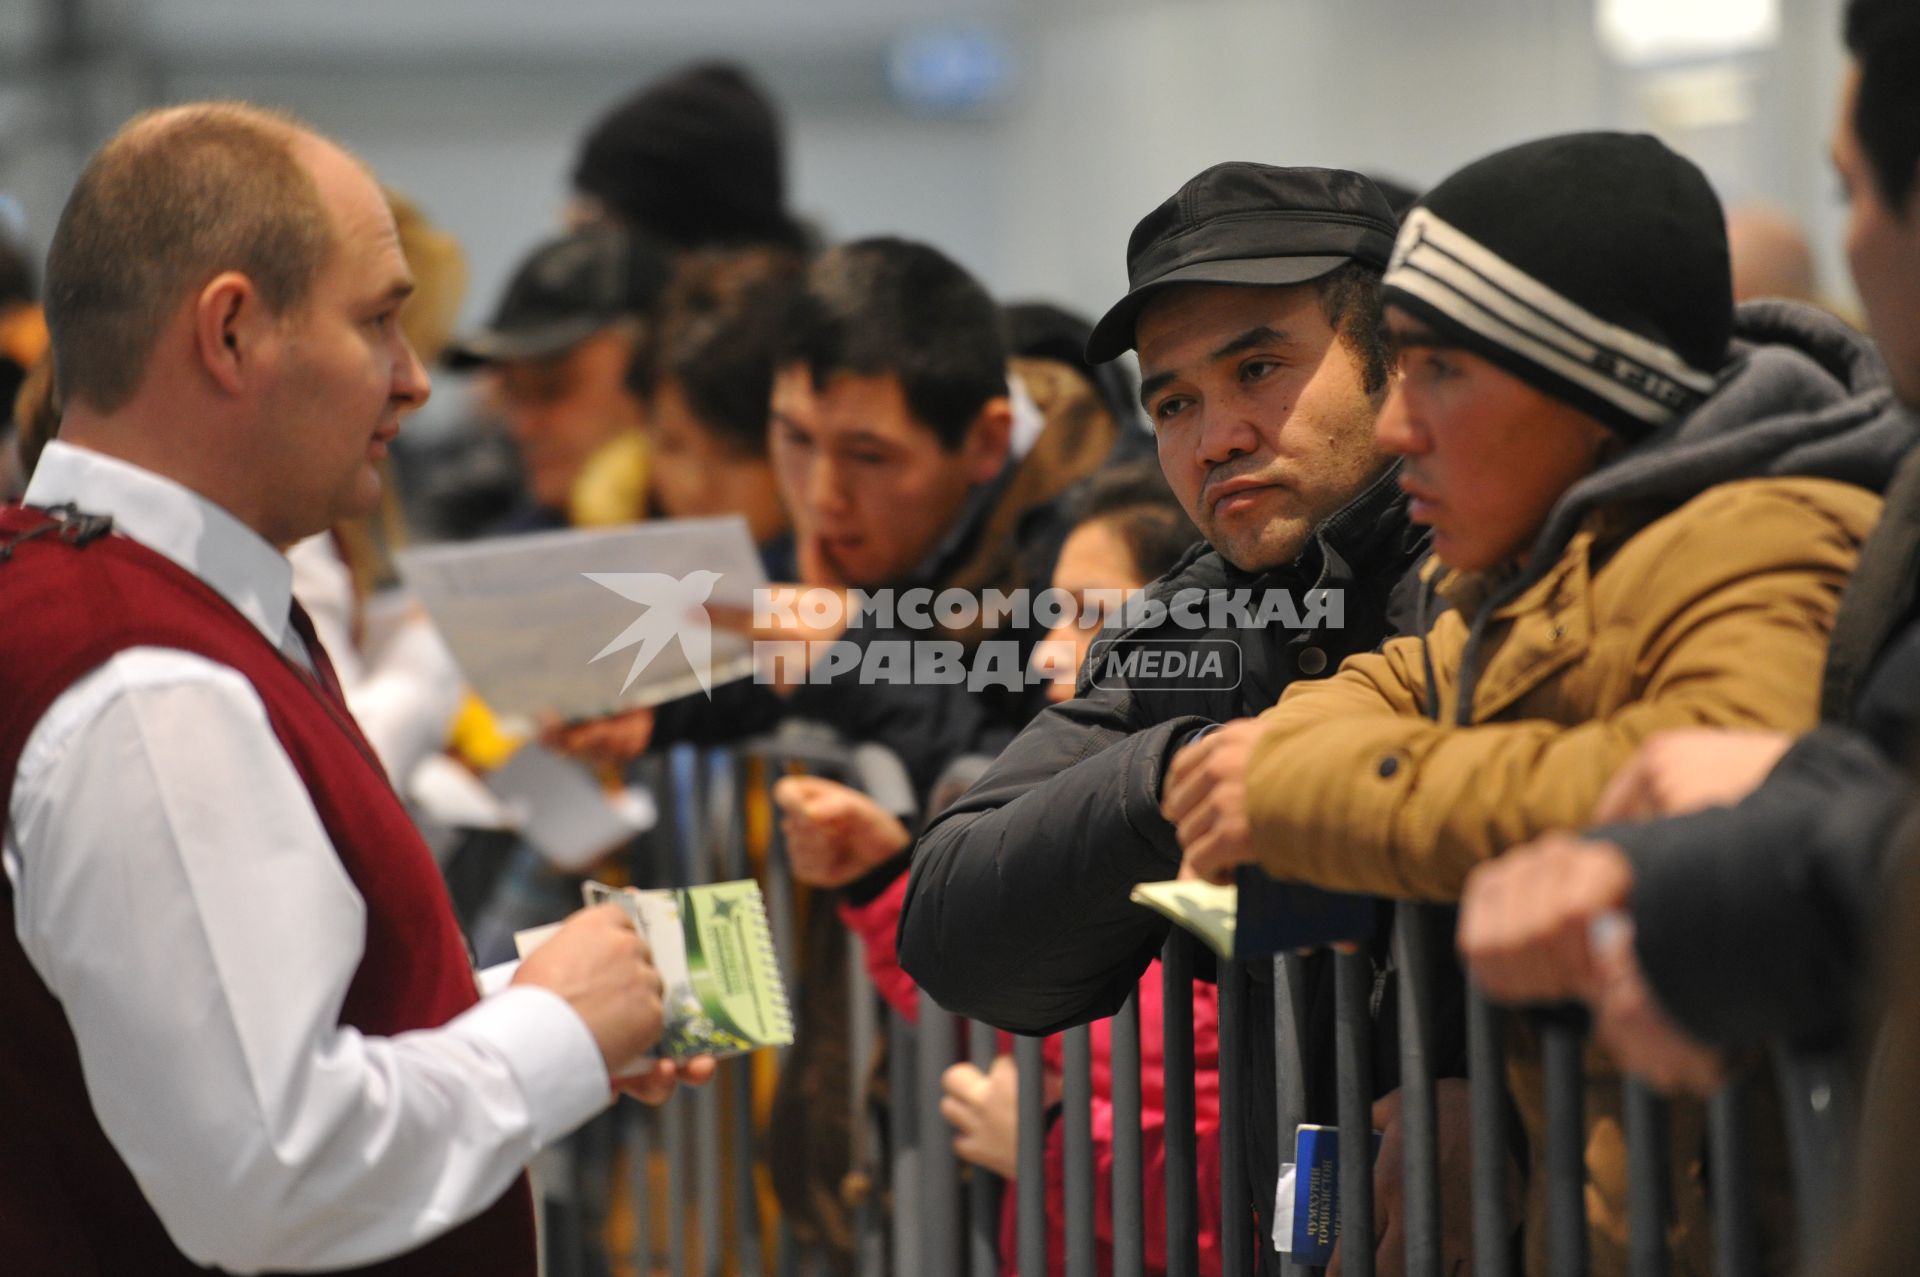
{"x":1254,"y":305}
{"x":694,"y":159}
{"x":1644,"y":508}
{"x":557,"y":351}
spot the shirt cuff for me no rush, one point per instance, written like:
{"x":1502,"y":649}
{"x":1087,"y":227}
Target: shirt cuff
{"x":495,"y":979}
{"x":551,"y":1052}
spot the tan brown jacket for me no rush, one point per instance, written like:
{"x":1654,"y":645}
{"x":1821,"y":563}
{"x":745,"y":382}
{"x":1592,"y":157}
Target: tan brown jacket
{"x":1716,"y":614}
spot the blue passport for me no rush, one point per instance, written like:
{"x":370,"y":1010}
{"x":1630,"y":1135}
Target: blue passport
{"x":1316,"y":1194}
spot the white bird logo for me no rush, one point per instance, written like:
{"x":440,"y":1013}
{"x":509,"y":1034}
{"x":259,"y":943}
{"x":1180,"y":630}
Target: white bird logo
{"x":675,"y":605}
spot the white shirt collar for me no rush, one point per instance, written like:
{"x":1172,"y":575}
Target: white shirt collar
{"x":174,"y":521}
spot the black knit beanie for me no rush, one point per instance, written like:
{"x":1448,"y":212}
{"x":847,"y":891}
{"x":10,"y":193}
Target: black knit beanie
{"x":694,"y":159}
{"x":1592,"y":266}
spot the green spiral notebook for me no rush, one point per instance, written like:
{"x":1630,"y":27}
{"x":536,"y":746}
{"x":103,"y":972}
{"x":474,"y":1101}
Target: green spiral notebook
{"x":714,"y":951}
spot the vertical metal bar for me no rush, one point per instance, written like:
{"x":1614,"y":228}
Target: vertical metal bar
{"x":682,"y":1122}
{"x":903,"y":1076}
{"x":1029,"y":1058}
{"x":1182,"y":1157}
{"x":1649,"y":1181}
{"x":1816,"y":1091}
{"x":1566,"y":1164}
{"x":674,"y":1115}
{"x":1076,"y":1122}
{"x":697,"y":866}
{"x":729,"y":796}
{"x":1236,"y":1237}
{"x":683,"y":775}
{"x":1487,"y":1085}
{"x":786,"y":1254}
{"x":683,"y":781}
{"x":1289,"y":1065}
{"x":566,"y":1239}
{"x":1353,"y":1063}
{"x":984,"y":1188}
{"x":905,"y":1135}
{"x":863,"y":1031}
{"x":639,"y":1199}
{"x":1412,"y":927}
{"x":939,"y":1186}
{"x":1129,"y":1209}
{"x":1730,"y":1153}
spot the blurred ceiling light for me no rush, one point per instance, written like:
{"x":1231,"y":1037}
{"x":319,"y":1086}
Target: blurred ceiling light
{"x":951,"y":70}
{"x":1643,"y":32}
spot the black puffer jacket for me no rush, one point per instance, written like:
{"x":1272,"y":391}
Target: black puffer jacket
{"x":1017,"y":910}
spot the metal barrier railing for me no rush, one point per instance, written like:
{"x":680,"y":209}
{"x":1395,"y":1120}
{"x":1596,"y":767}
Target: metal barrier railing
{"x":693,"y":1172}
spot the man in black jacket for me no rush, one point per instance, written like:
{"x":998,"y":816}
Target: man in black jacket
{"x":1745,"y":913}
{"x":1255,"y":310}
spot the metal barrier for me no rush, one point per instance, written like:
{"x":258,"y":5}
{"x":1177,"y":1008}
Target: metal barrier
{"x":694,"y":1200}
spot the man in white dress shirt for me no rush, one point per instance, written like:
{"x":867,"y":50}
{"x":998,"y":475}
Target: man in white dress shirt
{"x":241,"y":1031}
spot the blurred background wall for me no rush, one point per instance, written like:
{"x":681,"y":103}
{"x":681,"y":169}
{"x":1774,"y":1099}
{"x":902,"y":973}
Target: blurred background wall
{"x":1023,"y":136}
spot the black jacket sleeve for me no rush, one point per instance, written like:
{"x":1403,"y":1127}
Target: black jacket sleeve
{"x":1752,"y":921}
{"x":1016,"y":910}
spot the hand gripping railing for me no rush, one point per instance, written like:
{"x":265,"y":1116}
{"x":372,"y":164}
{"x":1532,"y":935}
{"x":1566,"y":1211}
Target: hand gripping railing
{"x":930,"y":1214}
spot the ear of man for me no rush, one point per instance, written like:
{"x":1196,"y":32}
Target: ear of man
{"x":988,"y":440}
{"x":230,"y":323}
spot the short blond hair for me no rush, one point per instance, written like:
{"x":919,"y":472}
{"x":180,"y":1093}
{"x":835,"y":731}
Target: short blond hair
{"x":174,"y":198}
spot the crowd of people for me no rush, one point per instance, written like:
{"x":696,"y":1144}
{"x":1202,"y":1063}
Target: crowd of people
{"x":1564,"y":554}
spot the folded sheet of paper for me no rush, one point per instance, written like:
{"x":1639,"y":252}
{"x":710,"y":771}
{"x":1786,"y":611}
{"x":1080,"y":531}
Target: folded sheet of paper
{"x":714,"y":952}
{"x":580,"y":623}
{"x":1255,"y":915}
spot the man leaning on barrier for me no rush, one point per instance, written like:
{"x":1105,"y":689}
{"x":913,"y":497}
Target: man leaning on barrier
{"x":1644,"y":508}
{"x":1784,"y":876}
{"x":1255,"y":310}
{"x":242,"y":1028}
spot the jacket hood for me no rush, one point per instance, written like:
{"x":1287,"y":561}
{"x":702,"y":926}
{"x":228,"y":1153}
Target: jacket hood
{"x":1802,"y":395}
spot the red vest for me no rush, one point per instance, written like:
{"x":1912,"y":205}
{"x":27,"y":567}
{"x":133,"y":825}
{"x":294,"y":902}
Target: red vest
{"x":68,"y":1205}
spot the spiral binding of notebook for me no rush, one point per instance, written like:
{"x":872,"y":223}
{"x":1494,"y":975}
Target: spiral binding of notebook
{"x":766,"y":961}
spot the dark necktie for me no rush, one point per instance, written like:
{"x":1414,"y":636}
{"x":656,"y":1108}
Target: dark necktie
{"x":323,"y":673}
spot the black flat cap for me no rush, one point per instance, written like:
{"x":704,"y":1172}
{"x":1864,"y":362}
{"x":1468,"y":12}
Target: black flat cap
{"x":1243,"y":223}
{"x":567,"y":289}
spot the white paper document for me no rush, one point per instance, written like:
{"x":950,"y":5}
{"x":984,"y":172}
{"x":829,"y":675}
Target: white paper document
{"x":559,"y":806}
{"x":580,"y":623}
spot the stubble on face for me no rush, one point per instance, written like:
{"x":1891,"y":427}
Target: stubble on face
{"x":349,"y":374}
{"x":1263,"y":420}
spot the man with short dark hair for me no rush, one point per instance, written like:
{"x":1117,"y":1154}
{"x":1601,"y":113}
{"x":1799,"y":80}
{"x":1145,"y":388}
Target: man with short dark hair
{"x":1254,"y":308}
{"x":910,"y":452}
{"x":241,"y":1019}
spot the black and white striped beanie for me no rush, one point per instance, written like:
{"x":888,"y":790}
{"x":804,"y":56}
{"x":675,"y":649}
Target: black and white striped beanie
{"x":1593,"y":266}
